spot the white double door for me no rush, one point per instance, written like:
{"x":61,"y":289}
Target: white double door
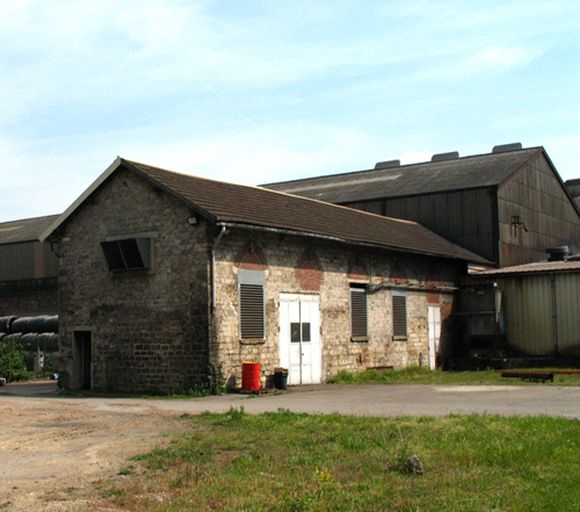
{"x":300,"y":346}
{"x":434,"y":317}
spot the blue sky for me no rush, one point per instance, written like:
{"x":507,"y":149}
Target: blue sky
{"x":253,"y":92}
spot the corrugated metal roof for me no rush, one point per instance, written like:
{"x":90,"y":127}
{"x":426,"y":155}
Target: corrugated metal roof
{"x":573,"y":187}
{"x":24,"y":230}
{"x":423,"y":178}
{"x":230,"y":203}
{"x":533,"y":268}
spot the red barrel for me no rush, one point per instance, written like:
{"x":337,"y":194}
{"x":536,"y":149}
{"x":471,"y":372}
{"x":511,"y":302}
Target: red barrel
{"x":250,"y":376}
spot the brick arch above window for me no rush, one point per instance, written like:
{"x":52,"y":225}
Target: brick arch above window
{"x":251,"y":256}
{"x":308,"y":271}
{"x":357,"y":270}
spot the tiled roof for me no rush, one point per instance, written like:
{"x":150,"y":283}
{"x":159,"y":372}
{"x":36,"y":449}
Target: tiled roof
{"x":534,"y":268}
{"x":237,"y":204}
{"x":422,"y":178}
{"x":24,"y":230}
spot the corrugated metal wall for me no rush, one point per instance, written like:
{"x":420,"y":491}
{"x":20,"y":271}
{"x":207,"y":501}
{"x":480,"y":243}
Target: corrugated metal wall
{"x":568,"y":302}
{"x":26,"y":260}
{"x":537,"y":197}
{"x":542,"y":313}
{"x":465,"y":217}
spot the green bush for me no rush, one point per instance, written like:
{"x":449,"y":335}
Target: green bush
{"x":51,"y":365}
{"x":12,"y":365}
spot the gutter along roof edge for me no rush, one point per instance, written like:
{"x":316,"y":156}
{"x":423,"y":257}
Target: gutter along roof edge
{"x":393,"y":248}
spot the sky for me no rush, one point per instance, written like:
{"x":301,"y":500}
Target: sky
{"x":261,"y":91}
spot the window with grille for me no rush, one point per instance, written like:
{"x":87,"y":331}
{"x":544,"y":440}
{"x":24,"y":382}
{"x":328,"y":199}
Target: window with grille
{"x":358,"y":313}
{"x":127,"y":254}
{"x":399,"y":315}
{"x":251,"y":293}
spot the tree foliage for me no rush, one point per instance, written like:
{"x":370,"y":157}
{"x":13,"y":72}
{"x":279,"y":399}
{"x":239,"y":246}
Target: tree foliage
{"x":12,"y":365}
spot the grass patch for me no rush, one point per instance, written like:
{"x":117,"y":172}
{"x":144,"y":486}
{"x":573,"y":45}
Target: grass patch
{"x":418,"y":375}
{"x":297,"y":462}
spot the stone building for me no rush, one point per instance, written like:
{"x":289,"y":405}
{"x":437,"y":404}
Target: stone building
{"x":27,"y":268}
{"x":168,"y":281}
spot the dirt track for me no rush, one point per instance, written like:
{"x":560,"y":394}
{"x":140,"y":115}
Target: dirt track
{"x":53,"y":453}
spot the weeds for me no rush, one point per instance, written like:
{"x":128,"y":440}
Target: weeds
{"x":420,"y":375}
{"x":283,"y":461}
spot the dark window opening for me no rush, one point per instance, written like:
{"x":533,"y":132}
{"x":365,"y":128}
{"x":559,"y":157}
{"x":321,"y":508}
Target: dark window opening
{"x":294,"y":332}
{"x":127,"y":254}
{"x":297,"y":329}
{"x":358,"y":312}
{"x":251,"y":311}
{"x":399,"y":315}
{"x":306,"y":331}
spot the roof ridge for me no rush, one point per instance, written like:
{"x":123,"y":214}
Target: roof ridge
{"x":391,"y":169}
{"x":221,"y":201}
{"x":271,"y":191}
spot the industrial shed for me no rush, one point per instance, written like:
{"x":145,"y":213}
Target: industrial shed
{"x":541,"y":307}
{"x":27,"y":268}
{"x":168,"y":281}
{"x":508,"y":206}
{"x":573,"y":187}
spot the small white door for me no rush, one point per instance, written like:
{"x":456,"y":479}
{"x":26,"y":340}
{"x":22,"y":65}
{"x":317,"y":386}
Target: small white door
{"x":300,"y":346}
{"x":434,"y":316}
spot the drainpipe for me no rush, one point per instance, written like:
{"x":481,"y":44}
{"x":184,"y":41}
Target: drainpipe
{"x":213,"y":249}
{"x":213,"y":374}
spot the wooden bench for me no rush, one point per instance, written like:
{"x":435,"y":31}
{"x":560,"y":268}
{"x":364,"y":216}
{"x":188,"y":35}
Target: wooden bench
{"x":530,"y":375}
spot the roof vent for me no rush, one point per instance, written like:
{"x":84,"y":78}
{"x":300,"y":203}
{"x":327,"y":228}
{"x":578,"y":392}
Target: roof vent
{"x":558,"y":253}
{"x":439,"y":157}
{"x":504,"y":148}
{"x":388,"y":164}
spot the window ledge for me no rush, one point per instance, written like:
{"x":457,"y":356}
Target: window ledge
{"x":400,"y":338}
{"x":252,"y":341}
{"x":359,"y":339}
{"x":132,"y":272}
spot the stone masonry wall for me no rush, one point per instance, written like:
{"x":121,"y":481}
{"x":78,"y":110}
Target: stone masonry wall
{"x":148,"y":328}
{"x":300,"y":265}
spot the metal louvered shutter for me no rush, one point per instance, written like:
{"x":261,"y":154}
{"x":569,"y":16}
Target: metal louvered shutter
{"x":399,"y":315}
{"x":251,"y":310}
{"x":358,"y":312}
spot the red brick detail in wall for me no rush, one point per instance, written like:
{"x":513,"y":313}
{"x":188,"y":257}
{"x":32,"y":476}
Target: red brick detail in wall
{"x":398,"y":273}
{"x":357,"y":270}
{"x":309,"y":271}
{"x":401,"y":281}
{"x":446,"y":310}
{"x":250,"y":256}
{"x":433,"y":298}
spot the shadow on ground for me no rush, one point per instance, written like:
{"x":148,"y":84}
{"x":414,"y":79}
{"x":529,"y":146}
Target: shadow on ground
{"x":31,"y":388}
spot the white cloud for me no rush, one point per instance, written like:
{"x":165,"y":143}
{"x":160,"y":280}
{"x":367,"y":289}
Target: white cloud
{"x":234,"y":92}
{"x":498,"y":59}
{"x":253,"y":156}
